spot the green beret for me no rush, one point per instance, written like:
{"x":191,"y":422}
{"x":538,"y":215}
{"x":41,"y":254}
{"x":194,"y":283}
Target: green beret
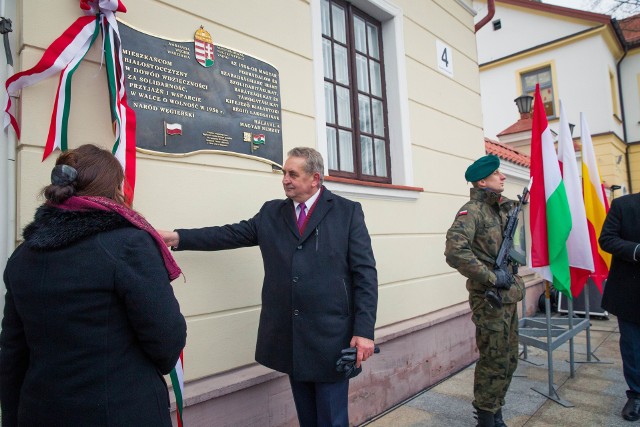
{"x":482,"y":168}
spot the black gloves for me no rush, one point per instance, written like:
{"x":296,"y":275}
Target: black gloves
{"x":504,"y":279}
{"x":347,"y":362}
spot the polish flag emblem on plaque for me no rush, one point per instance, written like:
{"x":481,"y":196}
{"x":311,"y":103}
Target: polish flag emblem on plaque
{"x":203,"y":47}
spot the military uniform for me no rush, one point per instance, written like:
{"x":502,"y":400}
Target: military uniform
{"x":473,"y":243}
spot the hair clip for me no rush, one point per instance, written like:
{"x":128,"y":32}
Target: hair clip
{"x":63,"y":175}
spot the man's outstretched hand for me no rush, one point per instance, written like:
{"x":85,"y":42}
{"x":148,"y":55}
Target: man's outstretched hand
{"x":171,"y":238}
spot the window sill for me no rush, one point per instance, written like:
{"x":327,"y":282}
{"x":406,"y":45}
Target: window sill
{"x":372,"y":190}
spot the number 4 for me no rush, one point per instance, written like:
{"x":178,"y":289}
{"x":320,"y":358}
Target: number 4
{"x":443,"y":58}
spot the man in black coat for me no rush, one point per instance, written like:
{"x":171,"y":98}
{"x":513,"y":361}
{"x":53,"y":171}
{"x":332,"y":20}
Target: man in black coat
{"x":621,"y":237}
{"x":320,"y":287}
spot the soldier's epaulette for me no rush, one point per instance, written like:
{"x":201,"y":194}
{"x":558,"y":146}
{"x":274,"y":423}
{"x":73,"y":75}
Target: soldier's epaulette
{"x":464,"y":212}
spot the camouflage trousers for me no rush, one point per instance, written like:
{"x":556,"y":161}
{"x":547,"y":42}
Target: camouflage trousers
{"x":497,"y":341}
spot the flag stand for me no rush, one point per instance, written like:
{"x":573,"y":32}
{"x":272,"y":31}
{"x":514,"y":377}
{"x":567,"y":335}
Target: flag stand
{"x":557,"y":332}
{"x":588,"y":320}
{"x":524,"y":356}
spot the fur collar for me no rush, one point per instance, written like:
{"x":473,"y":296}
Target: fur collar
{"x":54,"y":228}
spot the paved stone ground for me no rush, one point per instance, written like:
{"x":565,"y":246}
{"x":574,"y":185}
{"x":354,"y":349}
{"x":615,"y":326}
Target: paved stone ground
{"x":597,"y":390}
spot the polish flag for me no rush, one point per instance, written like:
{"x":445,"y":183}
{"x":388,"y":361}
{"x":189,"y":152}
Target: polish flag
{"x":173,"y":128}
{"x":578,"y":245}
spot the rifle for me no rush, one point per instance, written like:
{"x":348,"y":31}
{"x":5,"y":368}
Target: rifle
{"x":492,"y":296}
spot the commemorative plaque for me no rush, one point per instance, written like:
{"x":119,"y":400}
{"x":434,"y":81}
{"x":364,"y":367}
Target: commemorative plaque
{"x":192,"y":96}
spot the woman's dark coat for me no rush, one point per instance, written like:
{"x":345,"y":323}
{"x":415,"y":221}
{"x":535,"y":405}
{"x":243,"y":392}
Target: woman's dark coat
{"x":620,"y":237}
{"x":90,"y":325}
{"x":319,"y":290}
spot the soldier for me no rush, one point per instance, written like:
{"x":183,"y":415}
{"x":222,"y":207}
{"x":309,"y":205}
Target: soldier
{"x":473,"y":243}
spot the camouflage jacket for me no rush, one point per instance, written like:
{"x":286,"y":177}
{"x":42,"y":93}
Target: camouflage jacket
{"x":474,"y":240}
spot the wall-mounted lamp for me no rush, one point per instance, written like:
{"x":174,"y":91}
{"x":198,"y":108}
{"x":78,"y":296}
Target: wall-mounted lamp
{"x":571,"y":126}
{"x":524,"y":103}
{"x":614,"y":188}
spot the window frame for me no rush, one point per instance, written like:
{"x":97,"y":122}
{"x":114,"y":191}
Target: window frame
{"x":392,"y":20}
{"x":351,"y":13}
{"x":537,"y":71}
{"x":615,"y":103}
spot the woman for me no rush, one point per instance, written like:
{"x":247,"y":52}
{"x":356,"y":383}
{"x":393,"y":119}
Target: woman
{"x":90,"y":323}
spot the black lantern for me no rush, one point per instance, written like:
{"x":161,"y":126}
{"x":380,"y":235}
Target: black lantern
{"x":524,"y":102}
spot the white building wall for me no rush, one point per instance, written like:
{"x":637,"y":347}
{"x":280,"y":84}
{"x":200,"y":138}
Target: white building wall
{"x":630,"y":80}
{"x":581,"y":82}
{"x":221,"y":297}
{"x":521,"y":29}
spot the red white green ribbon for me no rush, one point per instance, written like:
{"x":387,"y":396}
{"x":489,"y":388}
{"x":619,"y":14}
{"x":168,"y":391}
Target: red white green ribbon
{"x":177,"y":381}
{"x":124,"y":118}
{"x":63,"y":56}
{"x":56,"y":58}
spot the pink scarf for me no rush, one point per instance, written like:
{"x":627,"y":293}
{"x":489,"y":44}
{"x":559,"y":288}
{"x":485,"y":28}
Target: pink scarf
{"x":86,"y":203}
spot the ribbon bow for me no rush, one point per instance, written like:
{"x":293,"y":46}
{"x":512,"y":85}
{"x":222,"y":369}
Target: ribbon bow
{"x":102,"y":6}
{"x":63,"y":56}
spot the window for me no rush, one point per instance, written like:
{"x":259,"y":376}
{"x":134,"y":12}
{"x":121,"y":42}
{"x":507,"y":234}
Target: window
{"x":613,"y":84}
{"x":543,"y":77}
{"x":354,"y":93}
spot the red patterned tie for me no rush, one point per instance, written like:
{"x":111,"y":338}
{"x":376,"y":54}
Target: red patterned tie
{"x":302,"y":217}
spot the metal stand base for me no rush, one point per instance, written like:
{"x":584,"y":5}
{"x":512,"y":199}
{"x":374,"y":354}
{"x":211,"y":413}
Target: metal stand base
{"x":554,"y":331}
{"x":589,"y":356}
{"x":523,"y":359}
{"x":553,"y":395}
{"x":548,"y":334}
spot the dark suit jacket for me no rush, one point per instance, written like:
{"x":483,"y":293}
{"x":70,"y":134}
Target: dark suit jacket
{"x":319,"y":289}
{"x":620,"y":236}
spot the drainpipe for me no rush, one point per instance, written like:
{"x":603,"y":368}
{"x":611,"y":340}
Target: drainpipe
{"x":491,"y":10}
{"x":7,"y":157}
{"x":618,"y":31}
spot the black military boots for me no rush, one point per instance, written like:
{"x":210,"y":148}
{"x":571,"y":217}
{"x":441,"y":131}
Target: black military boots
{"x":485,"y":418}
{"x":497,"y":419}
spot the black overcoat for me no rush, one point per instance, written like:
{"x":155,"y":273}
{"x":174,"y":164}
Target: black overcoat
{"x":620,"y":236}
{"x":90,"y":325}
{"x":319,"y":290}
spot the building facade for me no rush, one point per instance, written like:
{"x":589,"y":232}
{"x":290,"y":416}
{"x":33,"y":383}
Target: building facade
{"x":388,"y":90}
{"x":580,"y":58}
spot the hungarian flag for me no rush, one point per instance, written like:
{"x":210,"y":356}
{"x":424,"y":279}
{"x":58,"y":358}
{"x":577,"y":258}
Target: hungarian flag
{"x":258,"y":138}
{"x":595,"y":204}
{"x":549,"y":208}
{"x":578,"y":245}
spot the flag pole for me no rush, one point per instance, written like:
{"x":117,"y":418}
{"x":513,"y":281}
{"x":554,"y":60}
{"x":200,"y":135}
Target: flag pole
{"x":588,"y":319}
{"x":572,"y":370}
{"x":164,"y":131}
{"x":547,"y":310}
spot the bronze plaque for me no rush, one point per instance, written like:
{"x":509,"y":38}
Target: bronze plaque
{"x":190,"y":96}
